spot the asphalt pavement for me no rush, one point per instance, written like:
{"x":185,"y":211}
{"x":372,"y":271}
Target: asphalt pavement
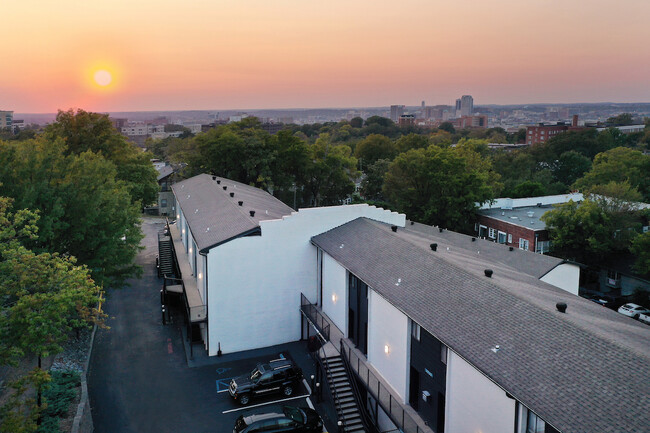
{"x":139,"y":378}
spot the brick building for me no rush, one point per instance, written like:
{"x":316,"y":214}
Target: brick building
{"x":516,"y":222}
{"x":541,"y":133}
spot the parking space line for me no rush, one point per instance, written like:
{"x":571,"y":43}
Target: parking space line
{"x":304,"y":381}
{"x":265,"y":404}
{"x":309,"y":403}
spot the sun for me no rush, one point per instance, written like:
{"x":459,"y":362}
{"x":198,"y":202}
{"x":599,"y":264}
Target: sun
{"x":103,"y":77}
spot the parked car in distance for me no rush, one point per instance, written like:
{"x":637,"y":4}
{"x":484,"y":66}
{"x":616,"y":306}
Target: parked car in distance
{"x":633,"y":310}
{"x":279,"y":375}
{"x":291,"y":419}
{"x":645,"y":318}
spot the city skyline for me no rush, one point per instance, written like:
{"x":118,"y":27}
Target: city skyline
{"x":253,"y":55}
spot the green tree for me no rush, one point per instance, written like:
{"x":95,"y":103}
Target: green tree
{"x":330,"y":174}
{"x":621,"y":120}
{"x":83,"y":131}
{"x":570,"y":167}
{"x":437,"y":186}
{"x":43,"y":297}
{"x":619,"y":165}
{"x":373,"y":183}
{"x":411,"y":141}
{"x":641,"y":249}
{"x":84,"y":210}
{"x":447,"y":126}
{"x":375,"y":147}
{"x":356,"y":122}
{"x":528,"y":188}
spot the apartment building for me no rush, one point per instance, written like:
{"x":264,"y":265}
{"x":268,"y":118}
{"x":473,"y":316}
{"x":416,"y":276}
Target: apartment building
{"x":441,"y":332}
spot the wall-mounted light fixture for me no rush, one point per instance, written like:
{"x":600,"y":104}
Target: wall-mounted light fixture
{"x":200,"y":275}
{"x":334,"y":298}
{"x":387,"y":349}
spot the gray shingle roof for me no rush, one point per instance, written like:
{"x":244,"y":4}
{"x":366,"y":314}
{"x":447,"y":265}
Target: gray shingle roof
{"x":164,"y":171}
{"x":583,"y":371}
{"x":214,"y":217}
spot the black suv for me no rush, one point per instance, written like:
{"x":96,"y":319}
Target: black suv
{"x":279,"y":375}
{"x":291,"y":419}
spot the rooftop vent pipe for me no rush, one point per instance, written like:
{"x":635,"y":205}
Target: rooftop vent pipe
{"x":433,"y":247}
{"x":225,"y":187}
{"x":214,"y":177}
{"x":252,"y":212}
{"x":440,"y":229}
{"x":511,"y":248}
{"x":473,"y":239}
{"x":393,"y":228}
{"x":232,"y":194}
{"x":218,"y":181}
{"x":240,"y":203}
{"x":412,"y":222}
{"x":561,"y":307}
{"x":488,"y":273}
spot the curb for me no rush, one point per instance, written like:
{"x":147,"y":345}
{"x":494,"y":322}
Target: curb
{"x":83,"y":401}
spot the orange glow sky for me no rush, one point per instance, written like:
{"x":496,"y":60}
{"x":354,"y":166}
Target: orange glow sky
{"x":246,"y":54}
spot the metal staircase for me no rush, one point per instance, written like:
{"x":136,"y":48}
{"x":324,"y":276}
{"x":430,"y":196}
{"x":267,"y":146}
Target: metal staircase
{"x":343,"y":394}
{"x":165,"y":255}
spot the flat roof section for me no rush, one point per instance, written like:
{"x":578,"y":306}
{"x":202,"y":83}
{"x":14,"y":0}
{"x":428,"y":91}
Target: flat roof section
{"x":527,"y":217}
{"x":194,"y":301}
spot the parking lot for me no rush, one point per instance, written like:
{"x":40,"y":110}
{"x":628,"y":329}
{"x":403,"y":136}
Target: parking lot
{"x":140,"y":379}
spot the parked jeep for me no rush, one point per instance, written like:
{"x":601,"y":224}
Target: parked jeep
{"x":278,"y":376}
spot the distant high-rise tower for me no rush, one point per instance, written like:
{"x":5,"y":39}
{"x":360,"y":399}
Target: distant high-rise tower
{"x":458,"y":105}
{"x":423,"y":105}
{"x":466,"y":105}
{"x":395,"y":112}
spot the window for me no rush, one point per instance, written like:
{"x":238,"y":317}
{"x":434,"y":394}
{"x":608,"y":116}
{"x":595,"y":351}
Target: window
{"x":534,"y":424}
{"x":163,"y":202}
{"x":523,"y":244}
{"x":543,"y":247}
{"x":502,"y":238}
{"x":443,"y":354}
{"x":415,"y":331}
{"x":509,"y":238}
{"x":492,"y":233}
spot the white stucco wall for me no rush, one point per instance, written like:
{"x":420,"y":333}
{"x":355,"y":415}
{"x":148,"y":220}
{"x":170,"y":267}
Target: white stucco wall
{"x":335,"y":283}
{"x":566,"y":276}
{"x":475,"y":403}
{"x":388,"y":326}
{"x":254,"y":283}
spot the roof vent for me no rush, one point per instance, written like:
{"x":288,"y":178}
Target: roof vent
{"x":232,"y":194}
{"x":214,"y":177}
{"x":252,"y":212}
{"x":441,"y":229}
{"x":218,"y":181}
{"x":433,"y":247}
{"x":539,"y":205}
{"x":225,"y":187}
{"x":412,"y":222}
{"x":473,"y":239}
{"x":240,"y":203}
{"x":561,"y":307}
{"x":488,"y":273}
{"x":511,"y":248}
{"x":530,"y":214}
{"x":393,"y":228}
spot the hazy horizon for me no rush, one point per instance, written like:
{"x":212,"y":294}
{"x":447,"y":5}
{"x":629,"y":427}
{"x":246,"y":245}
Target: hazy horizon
{"x":119,"y":55}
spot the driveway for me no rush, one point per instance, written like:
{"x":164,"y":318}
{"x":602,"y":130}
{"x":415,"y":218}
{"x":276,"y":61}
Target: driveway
{"x":139,"y":379}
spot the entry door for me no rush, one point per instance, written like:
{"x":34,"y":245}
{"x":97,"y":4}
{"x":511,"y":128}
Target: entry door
{"x":414,"y":388}
{"x":358,"y":313}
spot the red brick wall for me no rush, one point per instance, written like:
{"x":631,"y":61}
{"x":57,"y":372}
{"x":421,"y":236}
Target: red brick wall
{"x":514,"y":230}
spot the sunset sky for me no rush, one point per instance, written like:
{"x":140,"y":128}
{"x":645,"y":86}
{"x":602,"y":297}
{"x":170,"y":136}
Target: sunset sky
{"x":247,"y":54}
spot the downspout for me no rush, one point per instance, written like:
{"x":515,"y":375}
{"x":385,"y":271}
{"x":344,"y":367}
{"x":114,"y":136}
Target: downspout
{"x":207,"y":311}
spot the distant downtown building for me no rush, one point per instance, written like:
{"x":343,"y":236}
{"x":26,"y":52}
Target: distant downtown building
{"x":6,"y":119}
{"x":396,"y":112}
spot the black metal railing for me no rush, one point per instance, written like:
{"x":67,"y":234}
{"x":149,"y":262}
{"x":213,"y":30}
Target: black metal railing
{"x":385,"y":397}
{"x":316,"y":317}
